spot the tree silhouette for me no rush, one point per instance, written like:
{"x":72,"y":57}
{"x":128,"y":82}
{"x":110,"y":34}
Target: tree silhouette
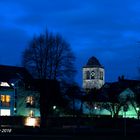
{"x":49,"y":59}
{"x":91,"y":99}
{"x":49,"y":56}
{"x":74,"y":93}
{"x":116,"y":102}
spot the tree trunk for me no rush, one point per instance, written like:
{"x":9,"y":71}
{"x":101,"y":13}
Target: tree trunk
{"x":47,"y":89}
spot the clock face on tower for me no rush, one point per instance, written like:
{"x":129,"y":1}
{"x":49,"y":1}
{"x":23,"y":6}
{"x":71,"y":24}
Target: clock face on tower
{"x":92,"y":75}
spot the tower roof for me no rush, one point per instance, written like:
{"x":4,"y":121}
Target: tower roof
{"x":93,"y":62}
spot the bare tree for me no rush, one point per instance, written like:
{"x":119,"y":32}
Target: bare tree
{"x":49,"y":56}
{"x":117,"y":102}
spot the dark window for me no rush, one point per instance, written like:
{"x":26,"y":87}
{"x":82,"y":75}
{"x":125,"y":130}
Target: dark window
{"x":87,"y":75}
{"x":101,"y":75}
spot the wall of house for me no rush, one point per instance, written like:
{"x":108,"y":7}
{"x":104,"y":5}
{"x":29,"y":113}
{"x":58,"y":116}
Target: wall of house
{"x":22,"y":108}
{"x":7,"y":110}
{"x":130,"y":113}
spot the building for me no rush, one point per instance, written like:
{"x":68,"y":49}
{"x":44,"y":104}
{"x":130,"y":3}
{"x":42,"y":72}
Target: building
{"x":16,"y":93}
{"x":120,"y":98}
{"x":7,"y":102}
{"x":22,"y":96}
{"x":93,"y":74}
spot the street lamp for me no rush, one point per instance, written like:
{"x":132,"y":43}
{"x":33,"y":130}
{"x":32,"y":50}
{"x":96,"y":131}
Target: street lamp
{"x":54,"y":107}
{"x":138,"y":111}
{"x":137,"y":108}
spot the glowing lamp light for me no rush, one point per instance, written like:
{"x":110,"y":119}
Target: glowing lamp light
{"x":54,"y":107}
{"x":137,"y":109}
{"x":4,"y":84}
{"x":12,"y":84}
{"x":30,"y":121}
{"x":95,"y":107}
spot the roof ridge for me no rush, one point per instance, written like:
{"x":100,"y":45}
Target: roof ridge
{"x":11,"y":66}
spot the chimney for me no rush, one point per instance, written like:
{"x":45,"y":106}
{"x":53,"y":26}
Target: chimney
{"x":121,"y":78}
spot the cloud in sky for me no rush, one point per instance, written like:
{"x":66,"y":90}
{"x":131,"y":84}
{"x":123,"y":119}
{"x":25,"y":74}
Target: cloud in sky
{"x":109,"y":30}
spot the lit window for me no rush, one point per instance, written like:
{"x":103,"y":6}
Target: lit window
{"x":2,"y":98}
{"x":5,"y":112}
{"x":30,"y":101}
{"x":5,"y":100}
{"x":4,"y":84}
{"x":30,"y":121}
{"x":31,"y":113}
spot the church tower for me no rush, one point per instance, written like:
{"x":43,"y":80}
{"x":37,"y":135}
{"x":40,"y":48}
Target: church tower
{"x":93,"y":74}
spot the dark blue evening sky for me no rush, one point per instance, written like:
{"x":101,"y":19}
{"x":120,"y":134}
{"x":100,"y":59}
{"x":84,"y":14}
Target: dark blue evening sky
{"x":106,"y":29}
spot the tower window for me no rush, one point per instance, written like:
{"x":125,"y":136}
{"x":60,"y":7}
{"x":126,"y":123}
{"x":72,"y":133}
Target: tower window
{"x":5,"y":100}
{"x":92,"y":75}
{"x":101,"y":75}
{"x":30,"y":102}
{"x":87,"y":75}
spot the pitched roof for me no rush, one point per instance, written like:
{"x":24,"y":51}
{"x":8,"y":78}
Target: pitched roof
{"x":8,"y":73}
{"x":93,"y":62}
{"x":115,"y":88}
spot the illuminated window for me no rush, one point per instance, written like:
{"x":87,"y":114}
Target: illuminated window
{"x":30,"y":121}
{"x":5,"y":100}
{"x":31,"y":113}
{"x":4,"y":84}
{"x":5,"y":112}
{"x":2,"y":98}
{"x":30,"y":101}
